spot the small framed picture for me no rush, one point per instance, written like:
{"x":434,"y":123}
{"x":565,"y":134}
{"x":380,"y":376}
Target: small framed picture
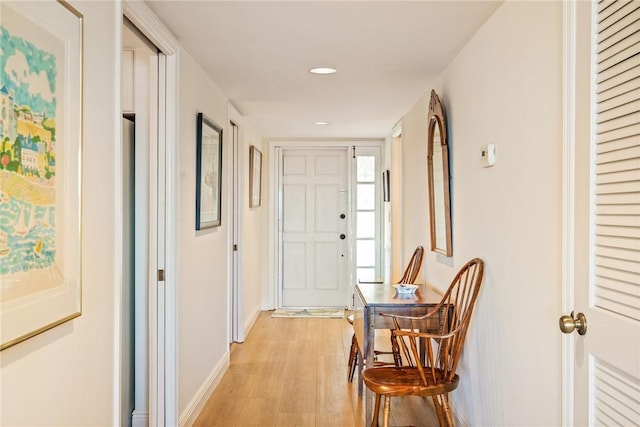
{"x":255,"y":177}
{"x":208,"y":173}
{"x":386,"y":196}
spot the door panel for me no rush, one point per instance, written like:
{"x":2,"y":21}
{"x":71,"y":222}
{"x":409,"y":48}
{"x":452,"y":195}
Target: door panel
{"x":295,"y":265}
{"x":606,"y":261}
{"x":327,"y":204}
{"x":314,"y":194}
{"x":326,"y":266}
{"x":294,"y":209}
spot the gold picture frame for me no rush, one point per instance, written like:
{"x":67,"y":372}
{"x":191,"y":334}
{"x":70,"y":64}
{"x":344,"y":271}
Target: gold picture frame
{"x":40,"y":167}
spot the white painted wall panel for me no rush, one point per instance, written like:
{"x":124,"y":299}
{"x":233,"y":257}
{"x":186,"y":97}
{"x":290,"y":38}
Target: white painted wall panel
{"x":504,"y":88}
{"x":66,"y":376}
{"x":202,"y":279}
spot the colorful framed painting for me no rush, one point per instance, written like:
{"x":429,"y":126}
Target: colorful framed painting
{"x":40,"y":157}
{"x":208,"y":173}
{"x":255,"y":177}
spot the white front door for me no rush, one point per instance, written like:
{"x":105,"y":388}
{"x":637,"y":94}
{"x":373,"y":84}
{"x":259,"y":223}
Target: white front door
{"x":603,"y":366}
{"x":313,"y":227}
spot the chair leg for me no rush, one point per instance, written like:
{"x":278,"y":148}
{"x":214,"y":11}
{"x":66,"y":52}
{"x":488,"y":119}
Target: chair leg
{"x":443,"y":410}
{"x":353,"y":358}
{"x":387,"y":411}
{"x":376,"y":412}
{"x":447,"y":410}
{"x":439,"y":411}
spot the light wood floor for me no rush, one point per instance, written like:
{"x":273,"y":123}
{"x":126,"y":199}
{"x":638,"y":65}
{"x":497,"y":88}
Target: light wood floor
{"x":293,"y":372}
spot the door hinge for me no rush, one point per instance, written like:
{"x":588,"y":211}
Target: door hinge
{"x":160,"y":275}
{"x":235,"y":247}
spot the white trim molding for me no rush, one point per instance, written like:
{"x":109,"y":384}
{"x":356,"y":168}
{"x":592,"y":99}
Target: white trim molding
{"x":568,"y":199}
{"x":459,"y":421}
{"x":146,"y":21}
{"x":140,"y":418}
{"x":163,"y":399}
{"x":193,"y":409}
{"x":251,"y":319}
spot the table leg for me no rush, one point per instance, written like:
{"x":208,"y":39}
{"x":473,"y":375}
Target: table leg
{"x":370,"y":335}
{"x":360,"y":368}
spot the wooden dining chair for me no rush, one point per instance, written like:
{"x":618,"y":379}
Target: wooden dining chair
{"x":409,"y":276}
{"x":437,"y":377}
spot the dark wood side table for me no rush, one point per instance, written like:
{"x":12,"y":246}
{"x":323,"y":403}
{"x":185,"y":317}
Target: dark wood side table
{"x":373,"y":299}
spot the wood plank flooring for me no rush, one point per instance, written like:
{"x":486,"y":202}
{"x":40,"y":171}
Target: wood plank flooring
{"x":293,"y":372}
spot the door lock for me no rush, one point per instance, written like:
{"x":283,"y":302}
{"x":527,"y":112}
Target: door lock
{"x":570,"y":323}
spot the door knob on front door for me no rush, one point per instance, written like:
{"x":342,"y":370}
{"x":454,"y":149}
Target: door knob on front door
{"x":342,"y":237}
{"x":570,"y":323}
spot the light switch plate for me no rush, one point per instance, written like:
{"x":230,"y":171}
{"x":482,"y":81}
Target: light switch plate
{"x":488,"y":155}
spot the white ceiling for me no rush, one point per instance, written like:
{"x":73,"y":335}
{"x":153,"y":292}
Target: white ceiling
{"x":386,"y":52}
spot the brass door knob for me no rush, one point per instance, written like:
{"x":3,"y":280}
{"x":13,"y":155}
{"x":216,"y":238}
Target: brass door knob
{"x":570,"y":323}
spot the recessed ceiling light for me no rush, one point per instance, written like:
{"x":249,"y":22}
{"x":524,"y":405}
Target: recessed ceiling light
{"x":321,"y":123}
{"x":323,"y":70}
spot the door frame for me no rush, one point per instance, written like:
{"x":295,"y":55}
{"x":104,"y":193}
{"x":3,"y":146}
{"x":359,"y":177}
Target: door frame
{"x":568,"y":201}
{"x":380,"y":212}
{"x":163,"y":400}
{"x":577,"y":70}
{"x":273,"y":298}
{"x":236,"y":331}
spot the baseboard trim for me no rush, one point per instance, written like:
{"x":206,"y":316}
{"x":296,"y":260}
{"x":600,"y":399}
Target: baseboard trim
{"x":190,"y":414}
{"x":251,"y":320}
{"x":459,"y":421}
{"x":140,"y":418}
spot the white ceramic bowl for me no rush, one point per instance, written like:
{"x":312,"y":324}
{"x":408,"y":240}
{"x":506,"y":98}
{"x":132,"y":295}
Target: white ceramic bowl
{"x":407,"y":288}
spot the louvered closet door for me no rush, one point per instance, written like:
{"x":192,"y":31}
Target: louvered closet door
{"x":607,"y":266}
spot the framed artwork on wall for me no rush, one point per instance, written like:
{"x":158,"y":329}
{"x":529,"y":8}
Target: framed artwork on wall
{"x":255,"y":177}
{"x":40,"y":167}
{"x":386,"y":195}
{"x":208,"y":173}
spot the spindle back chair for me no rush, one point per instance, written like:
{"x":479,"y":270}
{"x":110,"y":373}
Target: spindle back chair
{"x":437,"y":377}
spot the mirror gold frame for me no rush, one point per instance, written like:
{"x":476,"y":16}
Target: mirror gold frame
{"x":439,"y":176}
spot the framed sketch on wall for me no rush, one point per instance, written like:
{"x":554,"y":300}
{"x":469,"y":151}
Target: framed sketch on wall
{"x":386,"y":195}
{"x":208,"y":173}
{"x":40,"y":176}
{"x":255,"y":177}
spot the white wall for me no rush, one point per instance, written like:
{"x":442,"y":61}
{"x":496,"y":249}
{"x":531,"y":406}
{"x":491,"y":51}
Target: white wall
{"x":253,"y":252}
{"x":504,"y":87}
{"x":65,"y":376}
{"x":202,"y":286}
{"x":45,"y":380}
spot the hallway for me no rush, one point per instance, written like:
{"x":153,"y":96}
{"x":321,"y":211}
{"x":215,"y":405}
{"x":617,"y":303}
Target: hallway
{"x":293,"y":372}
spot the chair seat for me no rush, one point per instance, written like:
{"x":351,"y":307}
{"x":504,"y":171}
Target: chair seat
{"x":405,"y":380}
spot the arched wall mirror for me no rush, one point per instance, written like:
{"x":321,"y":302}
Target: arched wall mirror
{"x":438,"y":171}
